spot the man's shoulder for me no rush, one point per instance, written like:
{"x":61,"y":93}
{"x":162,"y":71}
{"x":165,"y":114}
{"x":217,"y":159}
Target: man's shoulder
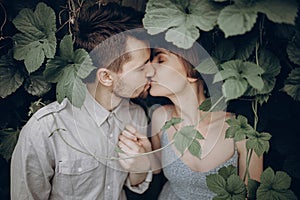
{"x":53,"y":107}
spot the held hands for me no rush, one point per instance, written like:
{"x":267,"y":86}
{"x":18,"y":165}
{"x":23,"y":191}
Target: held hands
{"x":133,"y":143}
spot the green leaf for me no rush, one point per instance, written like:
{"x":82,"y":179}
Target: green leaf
{"x":236,"y":20}
{"x":234,"y":88}
{"x":195,"y":149}
{"x":37,"y":38}
{"x":252,"y":73}
{"x":293,"y":49}
{"x":271,"y":66}
{"x":170,"y":123}
{"x":236,"y":187}
{"x":216,"y":184}
{"x":183,"y":36}
{"x":205,"y":105}
{"x":252,"y":188}
{"x":275,"y":186}
{"x":282,"y":181}
{"x":225,"y":50}
{"x":208,"y":66}
{"x":66,"y":50}
{"x":292,"y":84}
{"x":54,"y":69}
{"x":237,"y":75}
{"x":162,"y":15}
{"x":181,"y":142}
{"x":238,"y":128}
{"x":279,"y":11}
{"x":71,"y":86}
{"x":259,"y":142}
{"x":68,"y":71}
{"x":226,"y":172}
{"x":37,"y":85}
{"x":10,"y":76}
{"x":8,"y":138}
{"x":181,"y":19}
{"x":185,"y":138}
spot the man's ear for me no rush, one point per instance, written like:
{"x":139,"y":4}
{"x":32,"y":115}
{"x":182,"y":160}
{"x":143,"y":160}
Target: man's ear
{"x":192,"y":80}
{"x":104,"y":76}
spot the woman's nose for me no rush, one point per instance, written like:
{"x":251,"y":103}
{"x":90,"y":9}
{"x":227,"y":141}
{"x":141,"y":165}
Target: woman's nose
{"x":150,"y":70}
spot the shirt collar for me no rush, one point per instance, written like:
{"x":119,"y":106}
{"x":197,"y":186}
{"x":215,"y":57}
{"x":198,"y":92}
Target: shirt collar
{"x":100,"y":114}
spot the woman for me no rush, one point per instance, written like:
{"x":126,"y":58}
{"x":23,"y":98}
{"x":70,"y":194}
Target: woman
{"x":177,"y":80}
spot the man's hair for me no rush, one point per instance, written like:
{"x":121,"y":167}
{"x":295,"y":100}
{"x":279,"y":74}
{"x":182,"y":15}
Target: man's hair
{"x":102,"y":30}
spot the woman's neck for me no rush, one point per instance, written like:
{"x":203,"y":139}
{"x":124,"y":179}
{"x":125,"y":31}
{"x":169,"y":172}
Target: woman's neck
{"x":186,"y":104}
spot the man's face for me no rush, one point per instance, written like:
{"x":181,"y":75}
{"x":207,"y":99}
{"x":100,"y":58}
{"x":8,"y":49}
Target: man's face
{"x":134,"y":78}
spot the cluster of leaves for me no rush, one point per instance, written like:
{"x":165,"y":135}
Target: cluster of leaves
{"x":226,"y":184}
{"x":240,"y":130}
{"x":36,"y":43}
{"x":186,"y":138}
{"x":182,"y":22}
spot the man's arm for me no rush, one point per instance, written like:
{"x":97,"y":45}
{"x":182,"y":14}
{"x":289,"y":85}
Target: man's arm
{"x":31,"y":169}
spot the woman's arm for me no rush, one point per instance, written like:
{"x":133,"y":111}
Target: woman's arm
{"x":256,"y":163}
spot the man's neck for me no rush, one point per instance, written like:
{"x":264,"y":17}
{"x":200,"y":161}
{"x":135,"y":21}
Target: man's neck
{"x":104,"y":96}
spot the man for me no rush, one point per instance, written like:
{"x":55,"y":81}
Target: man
{"x":64,"y":152}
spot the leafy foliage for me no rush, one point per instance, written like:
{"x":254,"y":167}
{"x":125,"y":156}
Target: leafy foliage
{"x":9,"y":139}
{"x":271,"y":66}
{"x":37,"y":38}
{"x":180,"y":20}
{"x":275,"y":186}
{"x":170,"y":123}
{"x":226,"y":184}
{"x":11,"y":77}
{"x":292,"y":84}
{"x":186,"y":138}
{"x":259,"y":142}
{"x":293,"y":49}
{"x":238,"y":76}
{"x":239,"y":128}
{"x":67,"y":70}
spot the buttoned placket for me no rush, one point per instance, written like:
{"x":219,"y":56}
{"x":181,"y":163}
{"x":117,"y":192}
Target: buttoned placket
{"x":110,"y":125}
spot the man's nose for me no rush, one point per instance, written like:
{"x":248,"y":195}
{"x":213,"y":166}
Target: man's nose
{"x":150,"y":72}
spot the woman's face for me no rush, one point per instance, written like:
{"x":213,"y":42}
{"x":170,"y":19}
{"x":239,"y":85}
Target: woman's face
{"x":170,"y":77}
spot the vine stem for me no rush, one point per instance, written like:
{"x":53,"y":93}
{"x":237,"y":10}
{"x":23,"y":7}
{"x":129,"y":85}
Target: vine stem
{"x":58,"y":130}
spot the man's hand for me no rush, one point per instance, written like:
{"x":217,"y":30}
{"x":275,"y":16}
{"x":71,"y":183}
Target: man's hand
{"x":133,"y":143}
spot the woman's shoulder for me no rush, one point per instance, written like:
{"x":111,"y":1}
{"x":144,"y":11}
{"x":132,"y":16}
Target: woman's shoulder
{"x":159,"y":116}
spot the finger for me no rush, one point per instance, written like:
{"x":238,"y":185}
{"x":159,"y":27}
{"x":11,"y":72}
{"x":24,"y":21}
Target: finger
{"x":130,"y":128}
{"x":125,"y":148}
{"x":131,"y":144}
{"x":129,"y":135}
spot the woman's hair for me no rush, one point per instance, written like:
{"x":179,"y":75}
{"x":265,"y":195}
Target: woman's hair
{"x":102,"y":30}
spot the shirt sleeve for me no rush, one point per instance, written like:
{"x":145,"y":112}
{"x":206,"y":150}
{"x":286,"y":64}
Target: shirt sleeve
{"x":141,"y":119}
{"x":142,"y":187}
{"x":31,"y":164}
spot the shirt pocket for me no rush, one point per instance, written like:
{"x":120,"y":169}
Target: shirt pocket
{"x":77,"y":167}
{"x":76,"y":179}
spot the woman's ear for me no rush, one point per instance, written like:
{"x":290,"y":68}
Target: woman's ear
{"x":105,"y":77}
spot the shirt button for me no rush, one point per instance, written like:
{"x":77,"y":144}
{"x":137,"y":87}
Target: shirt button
{"x":111,"y":135}
{"x":79,"y":169}
{"x":108,"y":187}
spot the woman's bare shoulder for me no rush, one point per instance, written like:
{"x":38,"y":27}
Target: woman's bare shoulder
{"x":159,"y":116}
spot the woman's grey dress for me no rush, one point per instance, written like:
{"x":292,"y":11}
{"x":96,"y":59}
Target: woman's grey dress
{"x":183,"y":183}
